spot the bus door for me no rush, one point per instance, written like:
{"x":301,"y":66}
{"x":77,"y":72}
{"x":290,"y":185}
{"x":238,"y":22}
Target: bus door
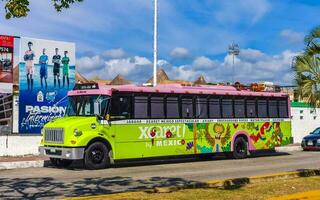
{"x":124,"y":128}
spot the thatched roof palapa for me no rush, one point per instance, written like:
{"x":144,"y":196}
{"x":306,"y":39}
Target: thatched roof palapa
{"x":80,"y":78}
{"x":201,"y":81}
{"x":119,"y":80}
{"x":161,"y":77}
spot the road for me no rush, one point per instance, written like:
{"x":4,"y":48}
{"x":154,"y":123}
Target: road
{"x":50,"y":183}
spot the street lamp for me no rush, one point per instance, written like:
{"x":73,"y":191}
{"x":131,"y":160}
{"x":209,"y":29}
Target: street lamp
{"x":233,"y":50}
{"x":155,"y":38}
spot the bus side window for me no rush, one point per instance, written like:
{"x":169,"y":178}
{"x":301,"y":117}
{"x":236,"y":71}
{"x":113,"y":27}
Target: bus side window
{"x":214,"y":108}
{"x":227,"y":108}
{"x":262,"y":108}
{"x":172,"y":107}
{"x":239,"y":108}
{"x":141,"y":107}
{"x":251,"y":108}
{"x":273,"y":108}
{"x":283,"y":108}
{"x":120,"y":107}
{"x":157,"y":107}
{"x":187,"y":107}
{"x":201,"y":108}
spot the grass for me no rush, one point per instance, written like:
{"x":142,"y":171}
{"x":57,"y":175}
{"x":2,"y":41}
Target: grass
{"x":251,"y":191}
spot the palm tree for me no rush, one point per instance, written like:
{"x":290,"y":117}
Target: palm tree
{"x":307,"y":77}
{"x":307,"y":69}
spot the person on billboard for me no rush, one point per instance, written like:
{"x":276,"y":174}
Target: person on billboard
{"x":65,"y":61}
{"x":43,"y":62}
{"x":28,"y":58}
{"x":56,"y":67}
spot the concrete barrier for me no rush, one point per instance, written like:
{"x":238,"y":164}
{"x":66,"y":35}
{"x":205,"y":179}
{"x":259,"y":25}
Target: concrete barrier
{"x":19,"y":145}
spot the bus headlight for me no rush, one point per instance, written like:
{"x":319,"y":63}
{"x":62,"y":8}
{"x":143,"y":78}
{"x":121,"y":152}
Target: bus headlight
{"x":318,"y":141}
{"x":76,"y":132}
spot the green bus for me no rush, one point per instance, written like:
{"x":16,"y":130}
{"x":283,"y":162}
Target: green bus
{"x":105,"y":123}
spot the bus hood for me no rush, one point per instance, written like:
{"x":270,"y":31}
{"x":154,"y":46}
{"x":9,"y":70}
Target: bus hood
{"x":69,"y":121}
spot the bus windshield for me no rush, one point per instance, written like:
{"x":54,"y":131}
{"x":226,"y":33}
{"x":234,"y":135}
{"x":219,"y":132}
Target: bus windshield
{"x":93,"y":105}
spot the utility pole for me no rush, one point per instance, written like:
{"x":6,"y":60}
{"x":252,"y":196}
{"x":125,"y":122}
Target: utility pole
{"x":155,"y":40}
{"x":233,"y":50}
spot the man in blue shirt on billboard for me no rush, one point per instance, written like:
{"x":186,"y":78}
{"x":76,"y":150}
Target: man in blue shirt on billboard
{"x":43,"y":62}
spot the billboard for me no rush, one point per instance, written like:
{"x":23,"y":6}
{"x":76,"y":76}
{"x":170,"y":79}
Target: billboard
{"x":46,"y":74}
{"x":6,"y":63}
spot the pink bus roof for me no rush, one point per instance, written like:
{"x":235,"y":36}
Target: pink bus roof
{"x":174,"y":89}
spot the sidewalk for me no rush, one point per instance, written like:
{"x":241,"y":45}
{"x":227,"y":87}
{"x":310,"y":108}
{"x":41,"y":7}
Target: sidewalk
{"x":22,"y":162}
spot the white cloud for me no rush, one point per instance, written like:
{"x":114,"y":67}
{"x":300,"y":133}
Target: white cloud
{"x":90,"y":63}
{"x":260,"y":67}
{"x":292,"y":36}
{"x":184,"y":72}
{"x":203,"y":62}
{"x":250,"y":66}
{"x":134,"y":68}
{"x":180,"y":52}
{"x":163,"y":63}
{"x":251,"y":55}
{"x":114,"y":53}
{"x":138,"y":60}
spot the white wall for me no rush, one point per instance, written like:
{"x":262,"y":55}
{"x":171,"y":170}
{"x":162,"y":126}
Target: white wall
{"x":16,"y":145}
{"x":304,"y":120}
{"x":15,"y":114}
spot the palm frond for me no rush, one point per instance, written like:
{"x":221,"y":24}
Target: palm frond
{"x":312,"y":36}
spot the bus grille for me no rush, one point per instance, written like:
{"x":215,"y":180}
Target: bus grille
{"x":54,"y":135}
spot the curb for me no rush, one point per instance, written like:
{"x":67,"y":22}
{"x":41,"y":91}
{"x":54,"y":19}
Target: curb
{"x":221,"y":184}
{"x":288,"y":149}
{"x":21,"y":164}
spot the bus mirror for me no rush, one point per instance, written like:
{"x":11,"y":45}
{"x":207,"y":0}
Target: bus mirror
{"x":107,"y":117}
{"x":96,"y":108}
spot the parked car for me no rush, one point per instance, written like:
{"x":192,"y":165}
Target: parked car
{"x":311,"y":141}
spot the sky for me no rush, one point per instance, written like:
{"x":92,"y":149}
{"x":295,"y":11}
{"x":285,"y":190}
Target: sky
{"x":116,"y":37}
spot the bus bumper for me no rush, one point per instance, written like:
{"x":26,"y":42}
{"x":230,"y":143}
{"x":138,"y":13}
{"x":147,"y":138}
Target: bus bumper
{"x":63,"y":153}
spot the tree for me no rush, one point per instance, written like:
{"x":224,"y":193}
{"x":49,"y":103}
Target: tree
{"x":307,"y":78}
{"x":307,"y":69}
{"x":20,"y":8}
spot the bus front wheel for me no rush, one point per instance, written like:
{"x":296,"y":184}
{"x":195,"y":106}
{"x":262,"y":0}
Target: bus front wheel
{"x":240,"y":148}
{"x":96,"y":156}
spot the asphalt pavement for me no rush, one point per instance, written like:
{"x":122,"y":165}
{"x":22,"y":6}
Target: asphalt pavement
{"x":51,"y":183}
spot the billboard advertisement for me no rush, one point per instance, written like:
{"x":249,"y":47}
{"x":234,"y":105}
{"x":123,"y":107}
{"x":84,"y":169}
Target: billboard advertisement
{"x":6,"y":63}
{"x":46,"y":74}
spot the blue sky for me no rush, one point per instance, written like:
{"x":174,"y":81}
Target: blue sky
{"x":115,"y":36}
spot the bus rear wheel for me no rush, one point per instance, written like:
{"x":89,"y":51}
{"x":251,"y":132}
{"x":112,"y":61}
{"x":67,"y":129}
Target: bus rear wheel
{"x":58,"y":162}
{"x":96,"y":156}
{"x":240,"y":148}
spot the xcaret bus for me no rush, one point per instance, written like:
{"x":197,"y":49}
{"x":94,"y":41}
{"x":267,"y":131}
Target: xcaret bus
{"x":106,"y":123}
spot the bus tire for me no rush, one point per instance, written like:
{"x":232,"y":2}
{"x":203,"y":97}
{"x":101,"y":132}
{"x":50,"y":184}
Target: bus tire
{"x":96,"y":156}
{"x":58,"y":162}
{"x":240,"y":148}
